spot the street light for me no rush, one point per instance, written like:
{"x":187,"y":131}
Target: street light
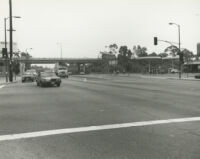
{"x":179,"y":47}
{"x":5,"y":19}
{"x":60,"y":49}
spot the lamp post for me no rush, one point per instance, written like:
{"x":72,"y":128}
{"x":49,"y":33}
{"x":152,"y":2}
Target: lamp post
{"x":5,"y":19}
{"x":11,"y":42}
{"x":60,"y":49}
{"x":179,"y":47}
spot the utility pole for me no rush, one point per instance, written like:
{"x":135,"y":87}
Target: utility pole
{"x":11,"y":43}
{"x":6,"y":62}
{"x":179,"y":49}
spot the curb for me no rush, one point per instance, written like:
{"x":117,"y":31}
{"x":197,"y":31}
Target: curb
{"x":185,"y":79}
{"x":7,"y":83}
{"x":90,"y":77}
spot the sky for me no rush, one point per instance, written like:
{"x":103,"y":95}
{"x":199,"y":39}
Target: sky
{"x":83,"y":28}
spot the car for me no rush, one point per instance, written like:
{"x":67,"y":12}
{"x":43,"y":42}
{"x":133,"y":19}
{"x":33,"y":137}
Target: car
{"x":48,"y":78}
{"x":174,"y":71}
{"x":32,"y":71}
{"x":28,"y":77}
{"x":197,"y":76}
{"x":62,"y":74}
{"x":82,"y":73}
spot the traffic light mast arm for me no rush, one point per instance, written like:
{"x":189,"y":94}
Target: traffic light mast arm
{"x":169,"y":42}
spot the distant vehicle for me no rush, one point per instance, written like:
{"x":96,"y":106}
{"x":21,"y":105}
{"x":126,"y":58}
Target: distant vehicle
{"x":82,"y":73}
{"x":61,"y":71}
{"x":28,"y":77}
{"x":197,"y":76}
{"x":174,"y":71}
{"x":48,"y":78}
{"x":32,"y":71}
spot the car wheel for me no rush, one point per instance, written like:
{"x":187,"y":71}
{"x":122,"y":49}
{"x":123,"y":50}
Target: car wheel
{"x":38,"y":84}
{"x":41,"y":84}
{"x":58,"y":85}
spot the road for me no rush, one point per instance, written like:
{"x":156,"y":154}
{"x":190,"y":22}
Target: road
{"x":84,"y":102}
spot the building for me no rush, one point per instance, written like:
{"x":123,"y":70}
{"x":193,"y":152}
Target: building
{"x":198,"y":49}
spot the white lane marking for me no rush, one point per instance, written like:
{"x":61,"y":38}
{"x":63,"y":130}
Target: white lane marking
{"x":1,"y":86}
{"x":93,"y":128}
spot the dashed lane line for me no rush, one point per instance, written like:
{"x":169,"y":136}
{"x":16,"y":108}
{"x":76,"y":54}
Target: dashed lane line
{"x":94,"y":128}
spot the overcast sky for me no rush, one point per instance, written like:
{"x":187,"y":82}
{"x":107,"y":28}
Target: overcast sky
{"x":85,"y":27}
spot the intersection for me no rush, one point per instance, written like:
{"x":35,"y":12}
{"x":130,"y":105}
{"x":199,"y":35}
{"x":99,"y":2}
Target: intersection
{"x":95,"y":102}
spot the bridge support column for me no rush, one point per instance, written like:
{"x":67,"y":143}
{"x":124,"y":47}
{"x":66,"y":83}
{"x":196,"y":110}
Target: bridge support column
{"x":84,"y":68}
{"x":79,"y":67}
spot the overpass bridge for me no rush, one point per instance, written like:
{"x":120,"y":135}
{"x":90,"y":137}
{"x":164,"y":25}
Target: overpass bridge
{"x":55,"y":60}
{"x":77,"y":61}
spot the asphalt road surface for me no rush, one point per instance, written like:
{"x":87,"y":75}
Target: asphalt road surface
{"x":91,"y":118}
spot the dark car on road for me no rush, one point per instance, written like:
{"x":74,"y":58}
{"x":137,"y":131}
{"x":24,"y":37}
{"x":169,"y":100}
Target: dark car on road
{"x":48,"y":79}
{"x":28,"y":77}
{"x":197,"y":76}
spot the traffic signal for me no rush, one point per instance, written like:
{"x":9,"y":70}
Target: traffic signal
{"x":155,"y":41}
{"x":4,"y":52}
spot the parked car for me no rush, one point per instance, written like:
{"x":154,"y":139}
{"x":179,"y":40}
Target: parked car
{"x":48,"y":78}
{"x":174,"y":71}
{"x":197,"y":76}
{"x":28,"y":77}
{"x":82,"y":73}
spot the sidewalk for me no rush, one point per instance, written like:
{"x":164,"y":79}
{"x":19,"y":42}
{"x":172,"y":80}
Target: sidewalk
{"x":3,"y":80}
{"x":184,"y":76}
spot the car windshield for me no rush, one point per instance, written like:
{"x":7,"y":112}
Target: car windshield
{"x":62,"y":68}
{"x":27,"y":73}
{"x":47,"y":74}
{"x":31,"y":71}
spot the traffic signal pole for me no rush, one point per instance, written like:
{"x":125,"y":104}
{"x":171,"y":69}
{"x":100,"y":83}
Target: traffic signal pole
{"x":179,"y":48}
{"x":6,"y":61}
{"x":11,"y":43}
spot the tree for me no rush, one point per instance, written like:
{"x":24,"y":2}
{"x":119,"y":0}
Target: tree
{"x":140,"y":51}
{"x":172,"y":50}
{"x":113,"y":48}
{"x":163,"y":54}
{"x":187,"y":55}
{"x":26,"y":56}
{"x":124,"y":58}
{"x":153,"y":54}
